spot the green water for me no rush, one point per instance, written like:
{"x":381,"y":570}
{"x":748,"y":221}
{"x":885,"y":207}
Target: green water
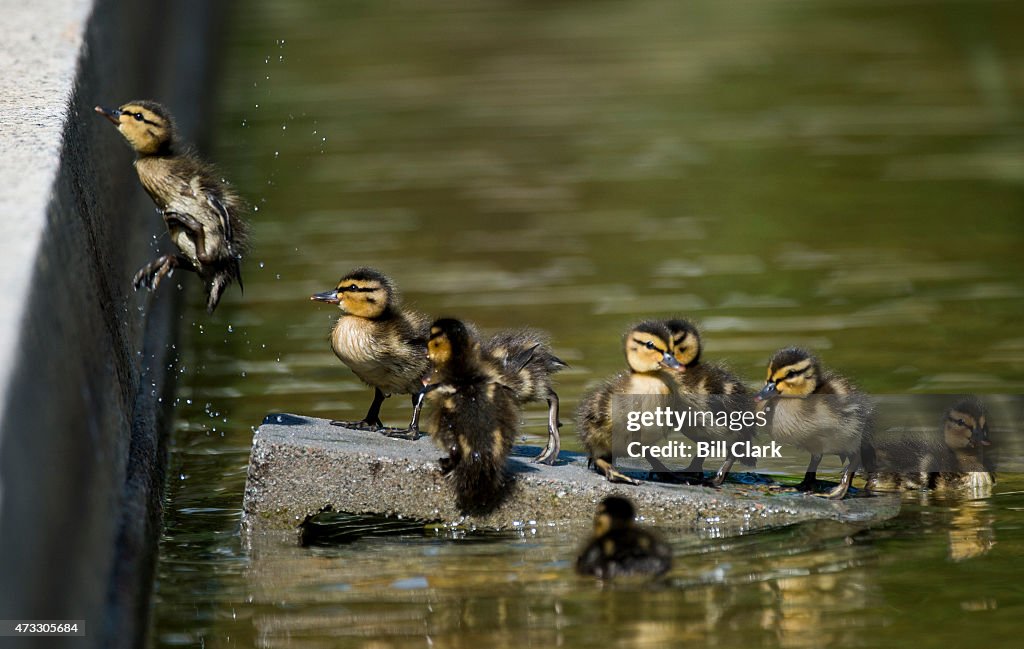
{"x":845,"y":175}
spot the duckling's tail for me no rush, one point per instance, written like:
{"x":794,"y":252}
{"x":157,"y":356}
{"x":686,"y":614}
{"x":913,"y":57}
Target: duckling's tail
{"x":480,"y":482}
{"x":220,"y":281}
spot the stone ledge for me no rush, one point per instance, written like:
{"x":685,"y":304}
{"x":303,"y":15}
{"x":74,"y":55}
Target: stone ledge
{"x":301,"y":466}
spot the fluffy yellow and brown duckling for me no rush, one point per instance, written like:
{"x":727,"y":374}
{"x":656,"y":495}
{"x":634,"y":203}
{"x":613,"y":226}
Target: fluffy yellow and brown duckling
{"x":649,"y":357}
{"x":475,"y":417}
{"x":816,"y":410}
{"x":621,"y":548}
{"x":525,"y":364}
{"x":703,"y":386}
{"x":201,"y":211}
{"x":952,"y":458}
{"x":384,"y":344}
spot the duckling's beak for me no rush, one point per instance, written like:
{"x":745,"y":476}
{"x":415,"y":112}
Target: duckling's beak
{"x":979,"y":437}
{"x":330,"y":297}
{"x":112,"y":115}
{"x":767,"y":392}
{"x":668,"y":360}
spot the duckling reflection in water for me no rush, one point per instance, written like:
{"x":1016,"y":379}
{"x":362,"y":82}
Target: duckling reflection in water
{"x":525,"y":363}
{"x":621,"y":548}
{"x":201,"y":211}
{"x":707,"y":386}
{"x":382,"y":343}
{"x":816,"y":410}
{"x":650,"y":359}
{"x":475,"y":416}
{"x":952,"y":458}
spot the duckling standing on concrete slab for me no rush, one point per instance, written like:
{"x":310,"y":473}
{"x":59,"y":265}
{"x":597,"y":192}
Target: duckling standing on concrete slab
{"x":816,"y":410}
{"x":619,"y":547}
{"x":703,"y":386}
{"x":952,"y":458}
{"x":650,"y":359}
{"x":475,"y":417}
{"x":525,"y":363}
{"x":382,"y":343}
{"x":201,"y":211}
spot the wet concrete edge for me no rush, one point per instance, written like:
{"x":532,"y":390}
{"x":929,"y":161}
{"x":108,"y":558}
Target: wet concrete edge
{"x":84,"y":423}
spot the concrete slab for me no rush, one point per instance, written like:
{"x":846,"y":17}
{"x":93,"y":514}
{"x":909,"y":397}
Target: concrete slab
{"x":301,"y":466}
{"x":84,"y":380}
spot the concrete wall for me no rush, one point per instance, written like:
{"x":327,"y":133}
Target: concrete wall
{"x":84,"y":359}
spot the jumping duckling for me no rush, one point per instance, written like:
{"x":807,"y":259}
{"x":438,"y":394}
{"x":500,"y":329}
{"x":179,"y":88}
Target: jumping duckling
{"x":201,"y":211}
{"x":649,"y":357}
{"x":382,"y":343}
{"x":621,"y":548}
{"x":475,"y":417}
{"x":525,"y":363}
{"x":707,"y":386}
{"x":953,"y":459}
{"x":834,"y":422}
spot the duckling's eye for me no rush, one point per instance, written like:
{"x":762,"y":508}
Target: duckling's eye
{"x":138,"y":117}
{"x":649,"y":345}
{"x":353,"y":288}
{"x":961,"y":422}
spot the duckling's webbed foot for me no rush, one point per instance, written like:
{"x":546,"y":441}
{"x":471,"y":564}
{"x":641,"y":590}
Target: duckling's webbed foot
{"x":611,"y":474}
{"x":371,"y":421}
{"x":809,"y":483}
{"x":163,"y":266}
{"x":412,"y":434}
{"x":371,"y":426}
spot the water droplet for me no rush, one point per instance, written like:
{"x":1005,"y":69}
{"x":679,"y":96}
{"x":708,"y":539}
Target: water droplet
{"x":261,"y":264}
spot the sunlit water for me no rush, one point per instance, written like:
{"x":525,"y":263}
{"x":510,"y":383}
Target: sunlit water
{"x":843,"y":175}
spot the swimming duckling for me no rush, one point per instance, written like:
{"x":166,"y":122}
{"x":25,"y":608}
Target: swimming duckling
{"x":525,"y":363}
{"x":834,"y":421}
{"x":382,"y":343}
{"x":649,"y":358}
{"x":201,"y":211}
{"x":621,"y":548}
{"x":707,"y":386}
{"x":475,"y":417}
{"x":954,"y":459}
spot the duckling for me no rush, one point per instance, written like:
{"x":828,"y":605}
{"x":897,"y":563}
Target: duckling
{"x":953,"y":459}
{"x":384,"y":344}
{"x":834,"y":422}
{"x":703,"y":386}
{"x":201,"y":211}
{"x":649,"y":357}
{"x":621,"y":548}
{"x":525,"y":363}
{"x":475,"y":416}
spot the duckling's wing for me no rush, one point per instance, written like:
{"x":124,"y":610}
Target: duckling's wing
{"x":225,"y":218}
{"x":521,"y":359}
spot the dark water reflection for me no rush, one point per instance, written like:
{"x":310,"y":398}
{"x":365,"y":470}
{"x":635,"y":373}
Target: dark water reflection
{"x":841,"y":174}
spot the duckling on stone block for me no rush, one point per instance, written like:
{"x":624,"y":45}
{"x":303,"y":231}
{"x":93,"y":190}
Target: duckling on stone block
{"x":650,"y":364}
{"x":475,"y":416}
{"x":818,"y":411}
{"x":384,"y":344}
